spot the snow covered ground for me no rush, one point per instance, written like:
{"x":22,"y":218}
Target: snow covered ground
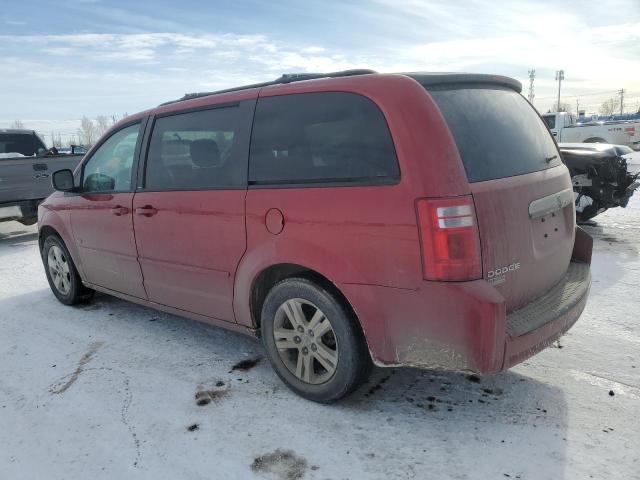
{"x":110,"y":390}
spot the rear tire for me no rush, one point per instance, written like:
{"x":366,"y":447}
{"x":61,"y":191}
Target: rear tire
{"x":318,"y":349}
{"x":62,"y":274}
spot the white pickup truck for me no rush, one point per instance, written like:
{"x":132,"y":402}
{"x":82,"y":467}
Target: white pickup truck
{"x":565,"y":128}
{"x":25,"y":173}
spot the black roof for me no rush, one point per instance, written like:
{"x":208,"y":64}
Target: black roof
{"x":432,"y":79}
{"x":424,"y":78}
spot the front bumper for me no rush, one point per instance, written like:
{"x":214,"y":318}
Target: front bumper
{"x":464,"y":326}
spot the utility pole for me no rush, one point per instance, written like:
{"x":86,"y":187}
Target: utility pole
{"x":621,"y":93}
{"x":577,"y":107}
{"x":559,"y":78}
{"x":532,"y":77}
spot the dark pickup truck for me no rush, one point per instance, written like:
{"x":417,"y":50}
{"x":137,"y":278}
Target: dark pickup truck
{"x":25,"y":173}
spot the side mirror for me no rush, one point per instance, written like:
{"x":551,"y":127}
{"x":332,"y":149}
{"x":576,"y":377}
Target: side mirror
{"x":99,"y":182}
{"x":62,"y":180}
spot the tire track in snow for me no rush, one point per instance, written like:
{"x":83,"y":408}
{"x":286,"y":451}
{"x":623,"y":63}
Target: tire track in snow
{"x":65,"y":382}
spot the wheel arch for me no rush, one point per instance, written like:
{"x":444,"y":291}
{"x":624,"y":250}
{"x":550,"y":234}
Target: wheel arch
{"x":269,"y":276}
{"x":44,"y":232}
{"x":595,"y":140}
{"x":51,"y":223}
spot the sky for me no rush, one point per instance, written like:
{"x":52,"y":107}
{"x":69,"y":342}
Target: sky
{"x":60,"y":60}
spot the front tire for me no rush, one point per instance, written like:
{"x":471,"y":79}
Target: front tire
{"x":62,"y":274}
{"x":313,"y":343}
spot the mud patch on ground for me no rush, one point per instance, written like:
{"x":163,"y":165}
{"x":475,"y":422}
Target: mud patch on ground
{"x":248,"y":364}
{"x":281,"y":464}
{"x":86,"y":358}
{"x":89,"y":307}
{"x":610,"y":239}
{"x":377,"y":386}
{"x":211,"y":392}
{"x":473,"y":378}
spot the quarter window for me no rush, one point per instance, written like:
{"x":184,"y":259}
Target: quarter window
{"x":109,"y":168}
{"x":319,"y":138}
{"x":195,"y":150}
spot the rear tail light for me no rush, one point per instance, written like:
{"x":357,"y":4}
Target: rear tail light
{"x":449,"y":238}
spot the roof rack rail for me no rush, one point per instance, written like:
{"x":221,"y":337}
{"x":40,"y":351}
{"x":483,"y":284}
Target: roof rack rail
{"x":285,"y":78}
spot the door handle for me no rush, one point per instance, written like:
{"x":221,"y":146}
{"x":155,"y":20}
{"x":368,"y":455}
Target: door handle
{"x":147,"y":211}
{"x":119,"y":210}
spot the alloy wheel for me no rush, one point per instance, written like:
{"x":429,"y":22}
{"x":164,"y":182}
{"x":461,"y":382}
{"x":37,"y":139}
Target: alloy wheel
{"x":59,"y":269}
{"x":306,"y":341}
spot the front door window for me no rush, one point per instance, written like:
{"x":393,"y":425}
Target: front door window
{"x":109,"y":168}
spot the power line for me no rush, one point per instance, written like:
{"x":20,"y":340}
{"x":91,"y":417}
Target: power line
{"x":583,"y":95}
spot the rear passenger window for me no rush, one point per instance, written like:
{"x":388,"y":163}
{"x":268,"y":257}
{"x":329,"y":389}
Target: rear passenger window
{"x":194,"y":151}
{"x":321,"y":138}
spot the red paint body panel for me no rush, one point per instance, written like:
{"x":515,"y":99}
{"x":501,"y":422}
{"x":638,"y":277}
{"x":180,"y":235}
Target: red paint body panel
{"x":105,"y":241}
{"x":346,"y":234}
{"x":54,"y":214}
{"x":448,"y":325}
{"x":190,"y":249}
{"x":541,"y":246}
{"x":201,"y":253}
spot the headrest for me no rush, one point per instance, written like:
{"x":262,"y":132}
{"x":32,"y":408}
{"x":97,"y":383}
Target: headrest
{"x":205,"y":153}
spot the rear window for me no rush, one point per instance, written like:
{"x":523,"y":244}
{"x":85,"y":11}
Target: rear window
{"x":498,"y":133}
{"x":550,"y":120}
{"x":23,"y":143}
{"x":331,"y":137}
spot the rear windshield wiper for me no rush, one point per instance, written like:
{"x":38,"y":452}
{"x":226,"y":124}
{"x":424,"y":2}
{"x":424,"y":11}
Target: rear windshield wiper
{"x":549,"y":159}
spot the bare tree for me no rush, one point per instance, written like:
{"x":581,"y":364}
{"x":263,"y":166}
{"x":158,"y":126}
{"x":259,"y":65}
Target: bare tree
{"x":102,"y":125}
{"x":564,"y":107}
{"x":17,"y":124}
{"x":56,"y":140}
{"x":609,"y":107}
{"x":87,"y":132}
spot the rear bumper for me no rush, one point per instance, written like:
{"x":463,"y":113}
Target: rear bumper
{"x":464,"y":326}
{"x":538,"y":324}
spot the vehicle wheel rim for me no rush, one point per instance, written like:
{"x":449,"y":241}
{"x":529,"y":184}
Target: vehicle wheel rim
{"x":59,"y":269}
{"x":306,"y":341}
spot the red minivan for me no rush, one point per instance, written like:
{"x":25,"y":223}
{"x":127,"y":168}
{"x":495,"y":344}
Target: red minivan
{"x":349,"y":219}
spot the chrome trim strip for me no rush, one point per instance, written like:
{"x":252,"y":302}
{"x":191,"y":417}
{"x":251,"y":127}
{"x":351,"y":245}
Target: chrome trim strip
{"x":551,"y":203}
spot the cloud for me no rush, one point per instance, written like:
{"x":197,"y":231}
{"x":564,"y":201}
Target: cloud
{"x":94,"y":73}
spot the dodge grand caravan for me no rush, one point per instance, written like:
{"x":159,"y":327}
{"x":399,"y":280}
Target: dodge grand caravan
{"x":348,"y":219}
